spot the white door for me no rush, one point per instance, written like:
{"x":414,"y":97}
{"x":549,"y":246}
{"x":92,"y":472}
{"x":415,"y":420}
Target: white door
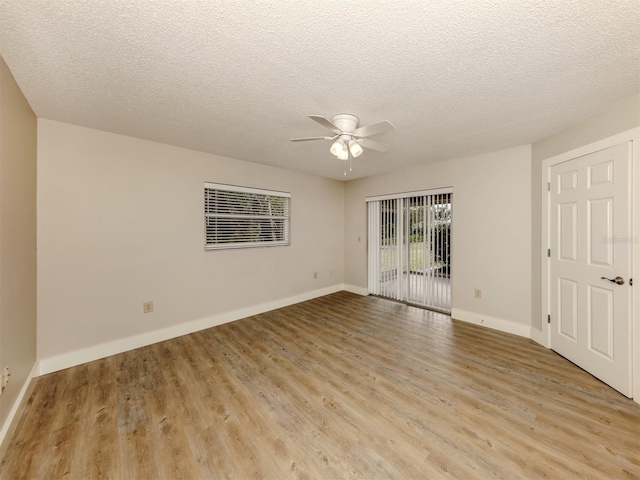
{"x":590,"y":231}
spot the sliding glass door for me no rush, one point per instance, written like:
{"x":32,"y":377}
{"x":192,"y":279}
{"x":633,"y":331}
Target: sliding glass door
{"x":410,"y":248}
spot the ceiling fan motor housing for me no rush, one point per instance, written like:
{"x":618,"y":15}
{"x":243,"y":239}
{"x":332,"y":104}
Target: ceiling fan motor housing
{"x":346,"y":123}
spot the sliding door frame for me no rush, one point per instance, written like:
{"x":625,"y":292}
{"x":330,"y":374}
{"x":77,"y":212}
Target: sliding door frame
{"x":378,"y":207}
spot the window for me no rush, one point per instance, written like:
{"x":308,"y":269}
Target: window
{"x":239,"y":217}
{"x":410,"y":247}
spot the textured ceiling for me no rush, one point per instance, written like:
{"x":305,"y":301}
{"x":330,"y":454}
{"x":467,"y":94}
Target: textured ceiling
{"x":238,"y":77}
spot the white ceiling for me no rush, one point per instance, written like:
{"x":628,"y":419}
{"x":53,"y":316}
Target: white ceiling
{"x":238,"y":77}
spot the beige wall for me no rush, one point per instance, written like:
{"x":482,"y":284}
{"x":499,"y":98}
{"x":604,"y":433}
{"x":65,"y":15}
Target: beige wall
{"x":491,"y":236}
{"x":617,"y":119}
{"x":17,"y":238}
{"x":120,"y":222}
{"x":113,"y":231}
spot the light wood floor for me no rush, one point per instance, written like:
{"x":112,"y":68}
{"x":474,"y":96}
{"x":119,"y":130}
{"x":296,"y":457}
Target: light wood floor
{"x":337,"y":387}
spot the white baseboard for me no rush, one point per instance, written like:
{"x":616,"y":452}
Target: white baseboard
{"x":357,"y":290}
{"x":8,"y":423}
{"x":102,"y":350}
{"x":539,"y":337}
{"x":492,"y":322}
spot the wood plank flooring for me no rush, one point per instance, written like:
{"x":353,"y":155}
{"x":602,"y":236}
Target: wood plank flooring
{"x":341,"y":386}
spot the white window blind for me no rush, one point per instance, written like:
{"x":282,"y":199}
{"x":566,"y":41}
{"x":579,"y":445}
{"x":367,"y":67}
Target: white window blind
{"x":409,"y":247}
{"x":240,"y":217}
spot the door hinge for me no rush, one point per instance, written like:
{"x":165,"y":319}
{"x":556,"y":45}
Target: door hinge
{"x":548,"y":187}
{"x":631,"y":282}
{"x":549,"y":252}
{"x":549,"y":318}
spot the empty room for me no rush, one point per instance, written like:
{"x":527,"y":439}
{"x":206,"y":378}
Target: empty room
{"x":319,"y":239}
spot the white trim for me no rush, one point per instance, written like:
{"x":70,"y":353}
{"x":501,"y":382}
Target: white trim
{"x":632,"y":136}
{"x":6,"y":427}
{"x":628,"y":136}
{"x":231,"y":246}
{"x":635,"y":265}
{"x":538,"y":337}
{"x":237,"y":188}
{"x":545,"y":242}
{"x":418,"y":193}
{"x":492,"y":322}
{"x":102,"y":350}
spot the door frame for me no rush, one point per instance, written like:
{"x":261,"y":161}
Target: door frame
{"x":632,"y":136}
{"x":373,"y":243}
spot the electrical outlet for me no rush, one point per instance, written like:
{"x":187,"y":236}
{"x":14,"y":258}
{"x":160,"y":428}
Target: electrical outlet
{"x":315,"y":275}
{"x":147,"y":307}
{"x":478,"y":293}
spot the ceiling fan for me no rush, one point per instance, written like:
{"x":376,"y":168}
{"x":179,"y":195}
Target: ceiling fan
{"x":349,"y":138}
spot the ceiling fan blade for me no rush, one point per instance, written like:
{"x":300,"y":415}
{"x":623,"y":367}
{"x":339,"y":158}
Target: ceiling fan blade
{"x":374,"y":129}
{"x":373,"y":145}
{"x":325,"y":123}
{"x":305,"y":139}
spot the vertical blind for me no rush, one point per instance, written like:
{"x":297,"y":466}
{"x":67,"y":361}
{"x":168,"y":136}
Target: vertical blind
{"x":409,"y":247}
{"x":238,"y":217}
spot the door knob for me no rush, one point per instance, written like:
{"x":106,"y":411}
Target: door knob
{"x":617,"y":280}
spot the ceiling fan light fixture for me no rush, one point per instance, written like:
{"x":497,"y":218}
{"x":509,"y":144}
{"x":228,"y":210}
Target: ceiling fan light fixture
{"x":355,"y":148}
{"x":349,"y":139}
{"x":338,"y":148}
